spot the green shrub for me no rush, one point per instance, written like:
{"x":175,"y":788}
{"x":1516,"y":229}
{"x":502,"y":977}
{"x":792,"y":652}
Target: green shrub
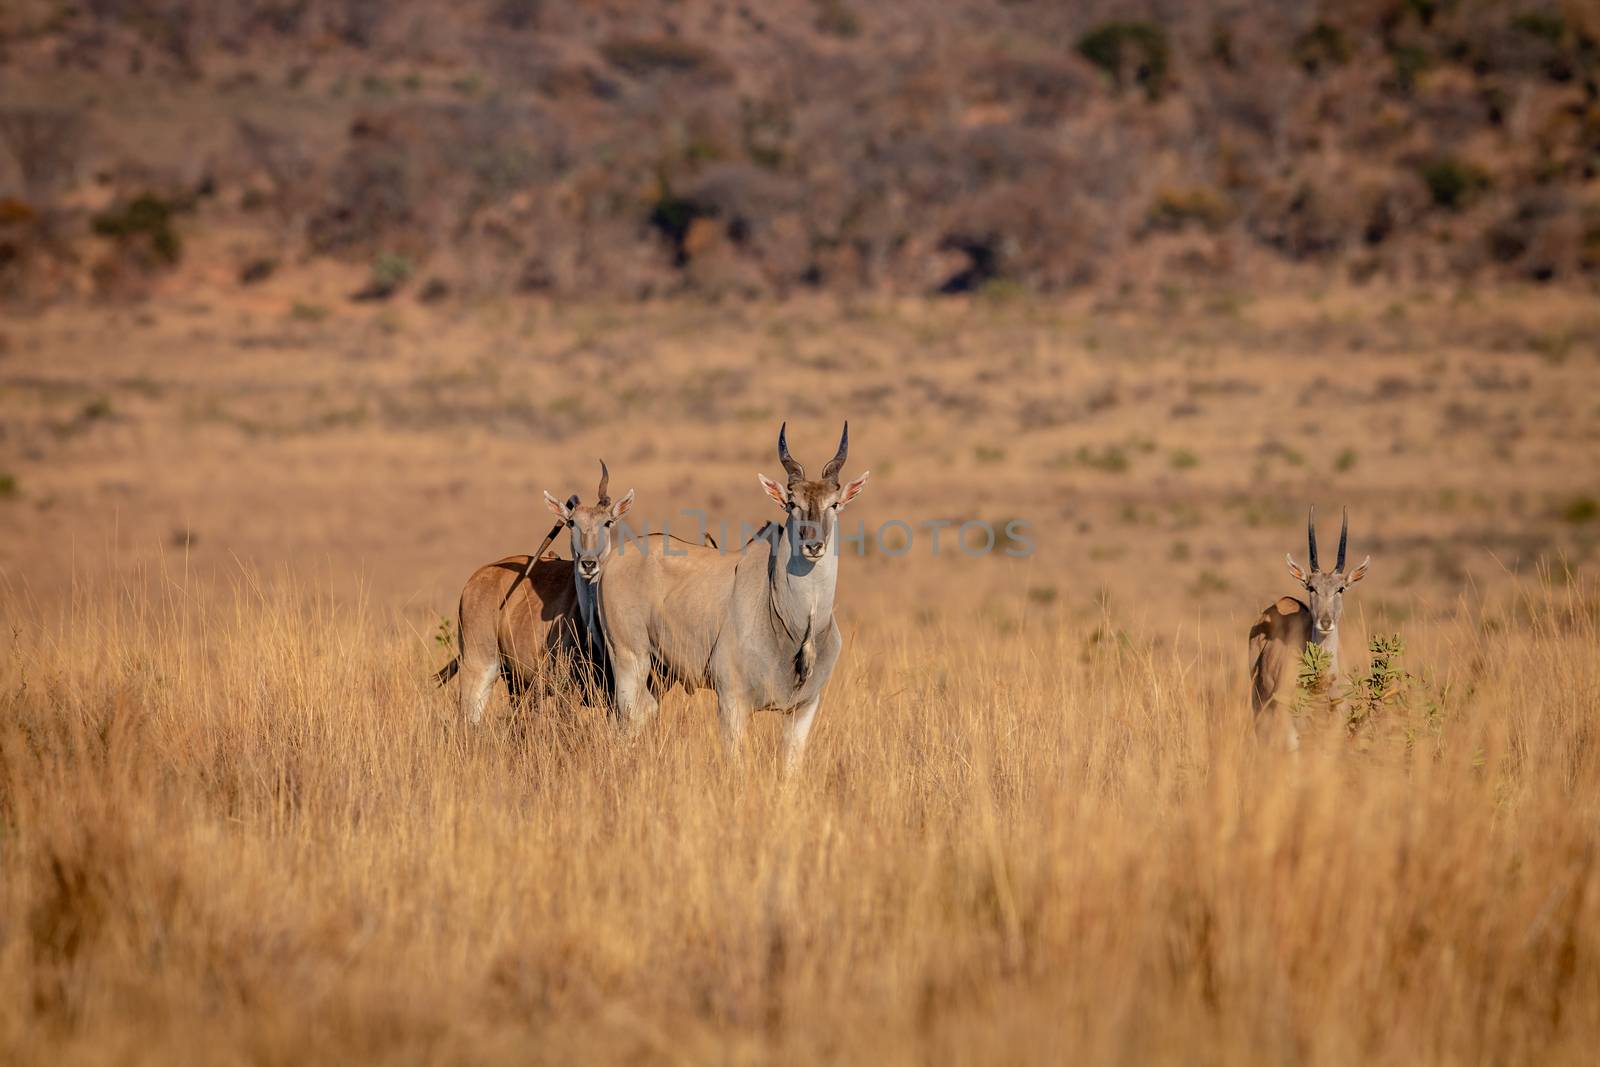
{"x":1388,"y":689}
{"x":1425,"y":10}
{"x":147,"y":217}
{"x":1409,"y":63}
{"x":836,"y":18}
{"x":1589,"y":251}
{"x":644,"y":57}
{"x":1313,"y":678}
{"x":1453,"y":183}
{"x":1111,"y":459}
{"x":1002,"y":290}
{"x":1324,"y":44}
{"x":1544,"y":24}
{"x":1581,"y":509}
{"x":1131,"y":52}
{"x":389,"y":272}
{"x":8,"y":485}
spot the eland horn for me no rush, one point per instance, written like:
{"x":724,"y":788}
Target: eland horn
{"x":830,"y":473}
{"x":797,"y":473}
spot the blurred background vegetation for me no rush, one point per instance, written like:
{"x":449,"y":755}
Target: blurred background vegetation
{"x":623,"y":150}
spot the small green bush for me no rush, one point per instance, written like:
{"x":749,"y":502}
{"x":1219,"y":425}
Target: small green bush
{"x":1323,"y":45}
{"x":835,"y":17}
{"x":1131,"y":52}
{"x":1453,"y":183}
{"x":1313,"y":678}
{"x":8,"y":485}
{"x":1111,"y":459}
{"x":1426,"y":10}
{"x":1409,"y":64}
{"x":1543,"y":24}
{"x":1581,"y":509}
{"x":644,"y":57}
{"x":148,"y":217}
{"x":389,"y":272}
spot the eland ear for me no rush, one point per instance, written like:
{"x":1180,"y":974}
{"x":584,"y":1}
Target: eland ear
{"x":1359,"y":573}
{"x":1294,"y":568}
{"x":777,"y":492}
{"x":563,"y":510}
{"x":620,"y":508}
{"x":853,"y":489}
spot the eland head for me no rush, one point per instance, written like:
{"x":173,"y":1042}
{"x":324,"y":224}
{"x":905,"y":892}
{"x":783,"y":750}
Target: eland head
{"x":1325,"y":589}
{"x":590,"y":525}
{"x":812,"y":507}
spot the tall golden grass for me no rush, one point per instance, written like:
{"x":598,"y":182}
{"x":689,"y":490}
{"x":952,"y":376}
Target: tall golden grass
{"x":256,"y":832}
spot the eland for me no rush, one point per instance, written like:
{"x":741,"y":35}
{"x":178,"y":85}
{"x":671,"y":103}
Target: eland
{"x":1280,"y":635}
{"x":757,"y":626}
{"x":531,"y":619}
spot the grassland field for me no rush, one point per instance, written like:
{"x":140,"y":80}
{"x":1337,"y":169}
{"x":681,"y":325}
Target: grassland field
{"x":239,"y":824}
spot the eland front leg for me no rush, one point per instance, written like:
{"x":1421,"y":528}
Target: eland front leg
{"x":636,"y":703}
{"x":733,"y":715}
{"x":795,"y":732}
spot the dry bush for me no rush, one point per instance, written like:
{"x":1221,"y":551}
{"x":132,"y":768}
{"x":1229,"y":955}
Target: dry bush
{"x":256,"y":829}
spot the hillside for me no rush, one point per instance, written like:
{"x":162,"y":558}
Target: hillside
{"x":715,"y":148}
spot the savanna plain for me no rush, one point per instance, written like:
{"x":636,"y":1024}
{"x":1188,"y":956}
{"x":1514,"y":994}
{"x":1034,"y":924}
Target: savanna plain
{"x":240,"y":823}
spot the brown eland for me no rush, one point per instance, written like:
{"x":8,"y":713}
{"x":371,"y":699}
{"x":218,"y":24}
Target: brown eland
{"x":530,"y":619}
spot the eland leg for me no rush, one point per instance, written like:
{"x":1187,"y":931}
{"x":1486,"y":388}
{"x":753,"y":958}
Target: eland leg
{"x":795,"y":732}
{"x":636,"y":704}
{"x":477,"y":682}
{"x":733,"y":715}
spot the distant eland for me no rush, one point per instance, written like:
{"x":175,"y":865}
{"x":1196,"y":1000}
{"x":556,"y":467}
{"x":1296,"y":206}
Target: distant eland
{"x":1280,"y":635}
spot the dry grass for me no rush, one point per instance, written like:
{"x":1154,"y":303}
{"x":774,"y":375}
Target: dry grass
{"x":238,"y":824}
{"x":253,"y":831}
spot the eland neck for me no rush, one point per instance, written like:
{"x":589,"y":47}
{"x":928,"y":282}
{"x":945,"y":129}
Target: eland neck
{"x":1328,"y":642}
{"x":802,"y":591}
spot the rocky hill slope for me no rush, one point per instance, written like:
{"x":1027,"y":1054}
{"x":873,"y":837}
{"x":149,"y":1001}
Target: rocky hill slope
{"x":613,"y":149}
